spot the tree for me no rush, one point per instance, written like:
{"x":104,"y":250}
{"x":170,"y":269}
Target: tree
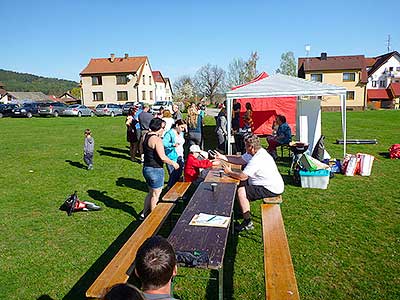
{"x":288,"y":64}
{"x":210,"y":80}
{"x":76,"y":92}
{"x":241,"y":71}
{"x":184,"y":89}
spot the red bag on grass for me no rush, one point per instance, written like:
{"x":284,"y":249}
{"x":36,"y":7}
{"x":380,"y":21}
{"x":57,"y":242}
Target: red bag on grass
{"x":394,"y":151}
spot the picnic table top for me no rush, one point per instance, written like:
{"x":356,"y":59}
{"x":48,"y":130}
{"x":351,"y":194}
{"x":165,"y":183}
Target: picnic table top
{"x":215,"y":175}
{"x":189,"y":238}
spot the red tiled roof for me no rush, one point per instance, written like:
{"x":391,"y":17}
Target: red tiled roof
{"x":333,"y":63}
{"x":157,"y":76}
{"x":378,"y":94}
{"x":394,"y":87}
{"x":370,"y":61}
{"x":119,"y":65}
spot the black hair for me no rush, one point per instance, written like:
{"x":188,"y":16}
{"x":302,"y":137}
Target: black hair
{"x":124,"y":291}
{"x":156,"y":124}
{"x":282,"y":118}
{"x":155,"y":263}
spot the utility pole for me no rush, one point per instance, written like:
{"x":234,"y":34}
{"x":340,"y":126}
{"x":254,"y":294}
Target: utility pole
{"x":388,"y":43}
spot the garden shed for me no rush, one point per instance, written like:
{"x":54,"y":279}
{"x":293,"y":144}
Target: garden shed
{"x":283,"y":87}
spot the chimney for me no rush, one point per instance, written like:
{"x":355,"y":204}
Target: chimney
{"x":324,"y":56}
{"x":126,"y":55}
{"x":112,"y":57}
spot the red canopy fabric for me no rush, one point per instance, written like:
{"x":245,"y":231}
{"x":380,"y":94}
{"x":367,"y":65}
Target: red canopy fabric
{"x":266,"y":109}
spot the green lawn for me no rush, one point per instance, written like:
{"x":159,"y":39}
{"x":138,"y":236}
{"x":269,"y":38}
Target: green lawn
{"x":344,"y":240}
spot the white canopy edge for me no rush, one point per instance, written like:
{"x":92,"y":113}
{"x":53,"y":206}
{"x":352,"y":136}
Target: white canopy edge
{"x":279,"y":85}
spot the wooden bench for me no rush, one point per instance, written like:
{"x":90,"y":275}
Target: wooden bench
{"x":273,"y":200}
{"x":177,"y":191}
{"x":280,"y":280}
{"x":116,"y":270}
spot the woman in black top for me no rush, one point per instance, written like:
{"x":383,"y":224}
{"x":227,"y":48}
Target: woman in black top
{"x":154,"y":157}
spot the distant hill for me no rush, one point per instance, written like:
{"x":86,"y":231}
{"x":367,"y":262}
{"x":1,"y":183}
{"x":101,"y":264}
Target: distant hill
{"x":23,"y":82}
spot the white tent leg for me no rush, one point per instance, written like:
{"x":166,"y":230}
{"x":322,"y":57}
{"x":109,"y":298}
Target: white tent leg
{"x":344,"y":130}
{"x":229,"y":125}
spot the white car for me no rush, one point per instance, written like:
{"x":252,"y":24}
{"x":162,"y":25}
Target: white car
{"x":165,"y":104}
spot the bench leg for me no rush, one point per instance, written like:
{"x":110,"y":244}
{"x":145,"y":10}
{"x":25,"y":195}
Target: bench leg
{"x":221,"y":283}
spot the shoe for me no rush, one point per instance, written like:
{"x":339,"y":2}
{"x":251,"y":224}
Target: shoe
{"x":90,"y":167}
{"x":244,"y":226}
{"x":141,"y":217}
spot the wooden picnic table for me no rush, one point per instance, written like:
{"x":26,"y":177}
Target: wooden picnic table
{"x":213,"y":240}
{"x":216,"y":174}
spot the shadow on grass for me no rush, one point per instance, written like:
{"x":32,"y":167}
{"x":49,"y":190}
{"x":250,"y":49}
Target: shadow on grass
{"x":45,"y":297}
{"x":79,"y":289}
{"x":112,"y":203}
{"x":384,"y":154}
{"x":139,"y":185}
{"x":111,"y":154}
{"x":119,"y":150}
{"x":76,"y":164}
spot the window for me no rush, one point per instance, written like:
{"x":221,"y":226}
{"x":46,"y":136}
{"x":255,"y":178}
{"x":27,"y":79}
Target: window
{"x":374,"y":83}
{"x":150,"y":80}
{"x":122,"y":96}
{"x":121,"y":79}
{"x":143,"y":94}
{"x":350,"y":95}
{"x":97,"y":96}
{"x":144,"y":79}
{"x":382,"y":83}
{"x":390,"y":69}
{"x":349,"y":76}
{"x":151,"y":95}
{"x":96,"y":80}
{"x":316,"y":77}
{"x":397,"y":69}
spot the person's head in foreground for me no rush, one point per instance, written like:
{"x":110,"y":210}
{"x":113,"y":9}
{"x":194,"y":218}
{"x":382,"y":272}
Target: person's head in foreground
{"x":252,"y":143}
{"x":155,"y":265}
{"x":157,"y":125}
{"x":196,"y":151}
{"x":124,"y":291}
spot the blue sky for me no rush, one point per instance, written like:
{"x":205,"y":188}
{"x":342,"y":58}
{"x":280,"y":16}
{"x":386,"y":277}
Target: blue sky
{"x":57,"y":38}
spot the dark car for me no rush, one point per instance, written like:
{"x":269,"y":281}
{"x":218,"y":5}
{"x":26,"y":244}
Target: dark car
{"x":52,"y":109}
{"x":26,"y":110}
{"x":128,"y":105}
{"x":6,"y":110}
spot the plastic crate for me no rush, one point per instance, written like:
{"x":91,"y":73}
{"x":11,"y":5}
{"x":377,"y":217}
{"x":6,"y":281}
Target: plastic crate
{"x":314,"y":179}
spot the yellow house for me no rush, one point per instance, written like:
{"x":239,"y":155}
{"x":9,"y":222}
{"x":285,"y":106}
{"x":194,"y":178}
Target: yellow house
{"x":117,"y":80}
{"x":346,"y":71}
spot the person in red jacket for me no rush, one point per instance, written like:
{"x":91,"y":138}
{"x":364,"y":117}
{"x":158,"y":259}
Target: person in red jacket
{"x":194,"y":164}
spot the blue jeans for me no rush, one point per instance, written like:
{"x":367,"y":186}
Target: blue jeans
{"x":154,"y":177}
{"x":174,"y":175}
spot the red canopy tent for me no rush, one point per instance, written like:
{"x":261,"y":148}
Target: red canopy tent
{"x":265,"y":109}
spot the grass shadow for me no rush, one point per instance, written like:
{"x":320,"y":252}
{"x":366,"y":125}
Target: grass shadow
{"x":132,"y":183}
{"x":384,"y":154}
{"x":116,"y":155}
{"x":44,"y":297}
{"x":113,"y":203}
{"x":79,"y":289}
{"x":119,"y":150}
{"x":76,"y":164}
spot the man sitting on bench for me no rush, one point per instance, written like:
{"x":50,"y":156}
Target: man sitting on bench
{"x":155,"y":265}
{"x":259,"y":179}
{"x":283,"y":136}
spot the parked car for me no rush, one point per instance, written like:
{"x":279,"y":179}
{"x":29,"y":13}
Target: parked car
{"x":6,"y":109}
{"x":26,"y":110}
{"x":78,"y":110}
{"x":108,"y":109}
{"x":165,"y":104}
{"x":52,"y":109}
{"x":128,"y":105}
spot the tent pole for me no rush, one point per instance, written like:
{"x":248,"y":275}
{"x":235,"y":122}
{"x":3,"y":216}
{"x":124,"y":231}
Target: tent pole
{"x":229,"y":121}
{"x":344,"y":129}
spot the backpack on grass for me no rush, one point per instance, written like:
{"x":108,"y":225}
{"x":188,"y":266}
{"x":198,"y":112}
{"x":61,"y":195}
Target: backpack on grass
{"x":72,"y":204}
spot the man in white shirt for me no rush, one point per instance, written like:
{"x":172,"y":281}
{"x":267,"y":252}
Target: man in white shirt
{"x":259,"y":179}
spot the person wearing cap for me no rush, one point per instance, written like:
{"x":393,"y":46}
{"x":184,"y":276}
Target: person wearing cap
{"x":259,"y":179}
{"x":194,"y":164}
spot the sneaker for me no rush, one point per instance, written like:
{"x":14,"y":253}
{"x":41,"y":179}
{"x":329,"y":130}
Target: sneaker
{"x":90,"y":167}
{"x":244,"y":226}
{"x":141,"y":217}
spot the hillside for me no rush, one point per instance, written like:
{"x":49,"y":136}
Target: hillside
{"x":23,"y":82}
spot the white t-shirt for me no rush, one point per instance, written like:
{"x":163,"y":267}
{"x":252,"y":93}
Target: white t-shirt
{"x":180,"y":139}
{"x":262,"y":170}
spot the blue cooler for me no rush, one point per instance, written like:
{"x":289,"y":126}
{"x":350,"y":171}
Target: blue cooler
{"x":314,"y":179}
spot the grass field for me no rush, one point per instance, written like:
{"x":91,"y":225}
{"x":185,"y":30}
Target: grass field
{"x":344,"y":240}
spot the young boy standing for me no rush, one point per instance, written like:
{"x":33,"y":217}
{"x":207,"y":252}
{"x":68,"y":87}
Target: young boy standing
{"x":88,"y":149}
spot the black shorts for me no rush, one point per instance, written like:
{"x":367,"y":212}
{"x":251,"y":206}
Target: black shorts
{"x":255,"y":192}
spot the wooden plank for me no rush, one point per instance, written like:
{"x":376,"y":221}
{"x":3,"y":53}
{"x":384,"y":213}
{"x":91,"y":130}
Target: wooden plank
{"x":115,"y":272}
{"x":185,"y":237}
{"x":215,"y":175}
{"x":280,"y":280}
{"x":177,"y":191}
{"x":273,"y":200}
